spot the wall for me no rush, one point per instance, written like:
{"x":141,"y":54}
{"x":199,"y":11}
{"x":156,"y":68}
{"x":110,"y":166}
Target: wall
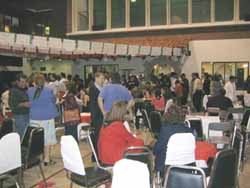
{"x":52,"y":66}
{"x":231,"y":50}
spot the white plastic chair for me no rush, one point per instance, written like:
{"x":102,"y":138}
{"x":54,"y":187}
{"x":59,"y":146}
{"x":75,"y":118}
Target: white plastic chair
{"x":74,"y":166}
{"x":130,"y":173}
{"x":83,"y":47}
{"x":97,"y":47}
{"x":68,"y":46}
{"x":23,"y":43}
{"x":6,"y":40}
{"x":41,"y":43}
{"x":10,"y":156}
{"x":55,"y":45}
{"x":121,"y":49}
{"x":180,"y":149}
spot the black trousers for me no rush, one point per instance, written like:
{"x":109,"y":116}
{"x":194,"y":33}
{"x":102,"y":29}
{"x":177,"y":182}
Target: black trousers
{"x":197,"y":100}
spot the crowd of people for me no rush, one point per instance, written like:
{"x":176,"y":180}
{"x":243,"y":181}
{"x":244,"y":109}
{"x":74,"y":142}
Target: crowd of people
{"x":42,"y":100}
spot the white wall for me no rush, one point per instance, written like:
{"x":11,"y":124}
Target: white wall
{"x":229,"y":50}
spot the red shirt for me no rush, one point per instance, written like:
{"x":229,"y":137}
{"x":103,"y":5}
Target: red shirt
{"x":204,"y":151}
{"x":159,"y":104}
{"x":112,"y":142}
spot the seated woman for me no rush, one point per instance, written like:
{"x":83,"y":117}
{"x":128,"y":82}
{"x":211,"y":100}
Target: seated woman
{"x":114,"y":138}
{"x":173,"y":123}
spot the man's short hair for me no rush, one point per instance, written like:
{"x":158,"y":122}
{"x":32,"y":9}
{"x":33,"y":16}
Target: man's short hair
{"x":222,"y":92}
{"x":232,"y":78}
{"x":20,"y":76}
{"x":98,"y":74}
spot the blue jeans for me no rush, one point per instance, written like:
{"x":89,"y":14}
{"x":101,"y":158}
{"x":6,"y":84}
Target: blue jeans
{"x":21,"y":122}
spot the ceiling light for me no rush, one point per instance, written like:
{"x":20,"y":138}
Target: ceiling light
{"x":133,"y":1}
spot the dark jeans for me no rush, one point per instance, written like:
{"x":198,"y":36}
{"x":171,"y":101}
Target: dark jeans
{"x":71,"y":130}
{"x":21,"y":122}
{"x":197,"y":100}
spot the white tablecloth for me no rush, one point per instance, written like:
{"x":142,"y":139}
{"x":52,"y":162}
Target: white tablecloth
{"x":205,"y":121}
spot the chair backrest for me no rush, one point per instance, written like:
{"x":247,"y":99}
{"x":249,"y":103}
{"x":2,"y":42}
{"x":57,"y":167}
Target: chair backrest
{"x":221,"y":127}
{"x":33,"y":142}
{"x":142,"y":154}
{"x":237,"y":146}
{"x":184,"y":176}
{"x":89,"y":137}
{"x":180,"y":149}
{"x":224,"y":170}
{"x":7,"y":38}
{"x":155,"y":121}
{"x":196,"y":125}
{"x":213,"y":111}
{"x":23,"y":40}
{"x":84,"y":46}
{"x":245,"y":123}
{"x":40,"y":42}
{"x":130,"y":173}
{"x":7,"y":127}
{"x":146,"y":119}
{"x":10,"y":152}
{"x":71,"y":155}
{"x":69,"y":45}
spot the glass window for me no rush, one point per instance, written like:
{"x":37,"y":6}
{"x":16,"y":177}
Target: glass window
{"x":241,"y":74}
{"x":229,"y":70}
{"x":207,"y":67}
{"x":158,"y":12}
{"x":224,"y":10}
{"x":179,"y":11}
{"x":118,"y":13}
{"x":99,"y":15}
{"x":244,"y":9}
{"x":219,"y":69}
{"x":201,"y":11}
{"x":137,"y":13}
{"x":83,"y":15}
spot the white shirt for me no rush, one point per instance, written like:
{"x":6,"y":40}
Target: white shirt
{"x":230,"y":91}
{"x":247,"y":99}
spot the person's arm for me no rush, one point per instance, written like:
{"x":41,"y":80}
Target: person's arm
{"x":101,"y":105}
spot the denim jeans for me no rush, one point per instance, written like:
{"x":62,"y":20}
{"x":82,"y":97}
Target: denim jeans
{"x":21,"y":122}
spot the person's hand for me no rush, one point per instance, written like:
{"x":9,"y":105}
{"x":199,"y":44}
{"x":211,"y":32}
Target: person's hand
{"x":25,"y":104}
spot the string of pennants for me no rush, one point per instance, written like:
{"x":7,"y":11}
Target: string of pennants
{"x":66,"y":48}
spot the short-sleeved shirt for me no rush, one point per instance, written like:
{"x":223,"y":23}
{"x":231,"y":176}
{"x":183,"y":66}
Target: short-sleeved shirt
{"x":112,"y":93}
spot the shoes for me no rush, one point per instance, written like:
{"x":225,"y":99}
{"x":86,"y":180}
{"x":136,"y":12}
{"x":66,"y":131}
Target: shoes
{"x":49,"y":163}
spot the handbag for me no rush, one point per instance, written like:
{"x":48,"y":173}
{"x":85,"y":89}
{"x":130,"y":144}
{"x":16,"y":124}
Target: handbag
{"x":71,"y":115}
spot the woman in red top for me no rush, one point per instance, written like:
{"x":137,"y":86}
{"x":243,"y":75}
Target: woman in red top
{"x":114,"y":138}
{"x":158,"y":101}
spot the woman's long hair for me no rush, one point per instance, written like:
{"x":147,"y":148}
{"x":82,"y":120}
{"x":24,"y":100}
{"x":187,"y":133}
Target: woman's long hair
{"x":118,"y":112}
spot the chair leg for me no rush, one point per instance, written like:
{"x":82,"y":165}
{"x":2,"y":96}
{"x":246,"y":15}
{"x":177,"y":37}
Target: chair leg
{"x":42,"y":173}
{"x":20,"y":177}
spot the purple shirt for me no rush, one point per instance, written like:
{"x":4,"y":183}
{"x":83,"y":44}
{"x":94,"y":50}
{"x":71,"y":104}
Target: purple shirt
{"x":112,"y":93}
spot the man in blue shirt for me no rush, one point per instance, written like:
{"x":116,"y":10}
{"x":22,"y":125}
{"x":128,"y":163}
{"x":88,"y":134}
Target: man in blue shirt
{"x":112,"y":93}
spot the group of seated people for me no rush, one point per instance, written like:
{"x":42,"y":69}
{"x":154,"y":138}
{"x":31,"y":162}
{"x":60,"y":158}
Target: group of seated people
{"x":115,"y":137}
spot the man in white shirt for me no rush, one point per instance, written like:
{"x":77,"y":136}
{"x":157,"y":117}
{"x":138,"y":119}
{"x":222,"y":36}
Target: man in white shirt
{"x":230,"y":88}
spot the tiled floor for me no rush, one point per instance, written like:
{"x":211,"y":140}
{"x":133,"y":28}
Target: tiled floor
{"x":57,"y":175}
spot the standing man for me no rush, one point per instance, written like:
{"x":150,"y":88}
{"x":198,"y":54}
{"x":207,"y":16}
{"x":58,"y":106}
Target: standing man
{"x":112,"y":93}
{"x":185,"y":84}
{"x":19,"y":104}
{"x":96,"y":113}
{"x":230,"y":88}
